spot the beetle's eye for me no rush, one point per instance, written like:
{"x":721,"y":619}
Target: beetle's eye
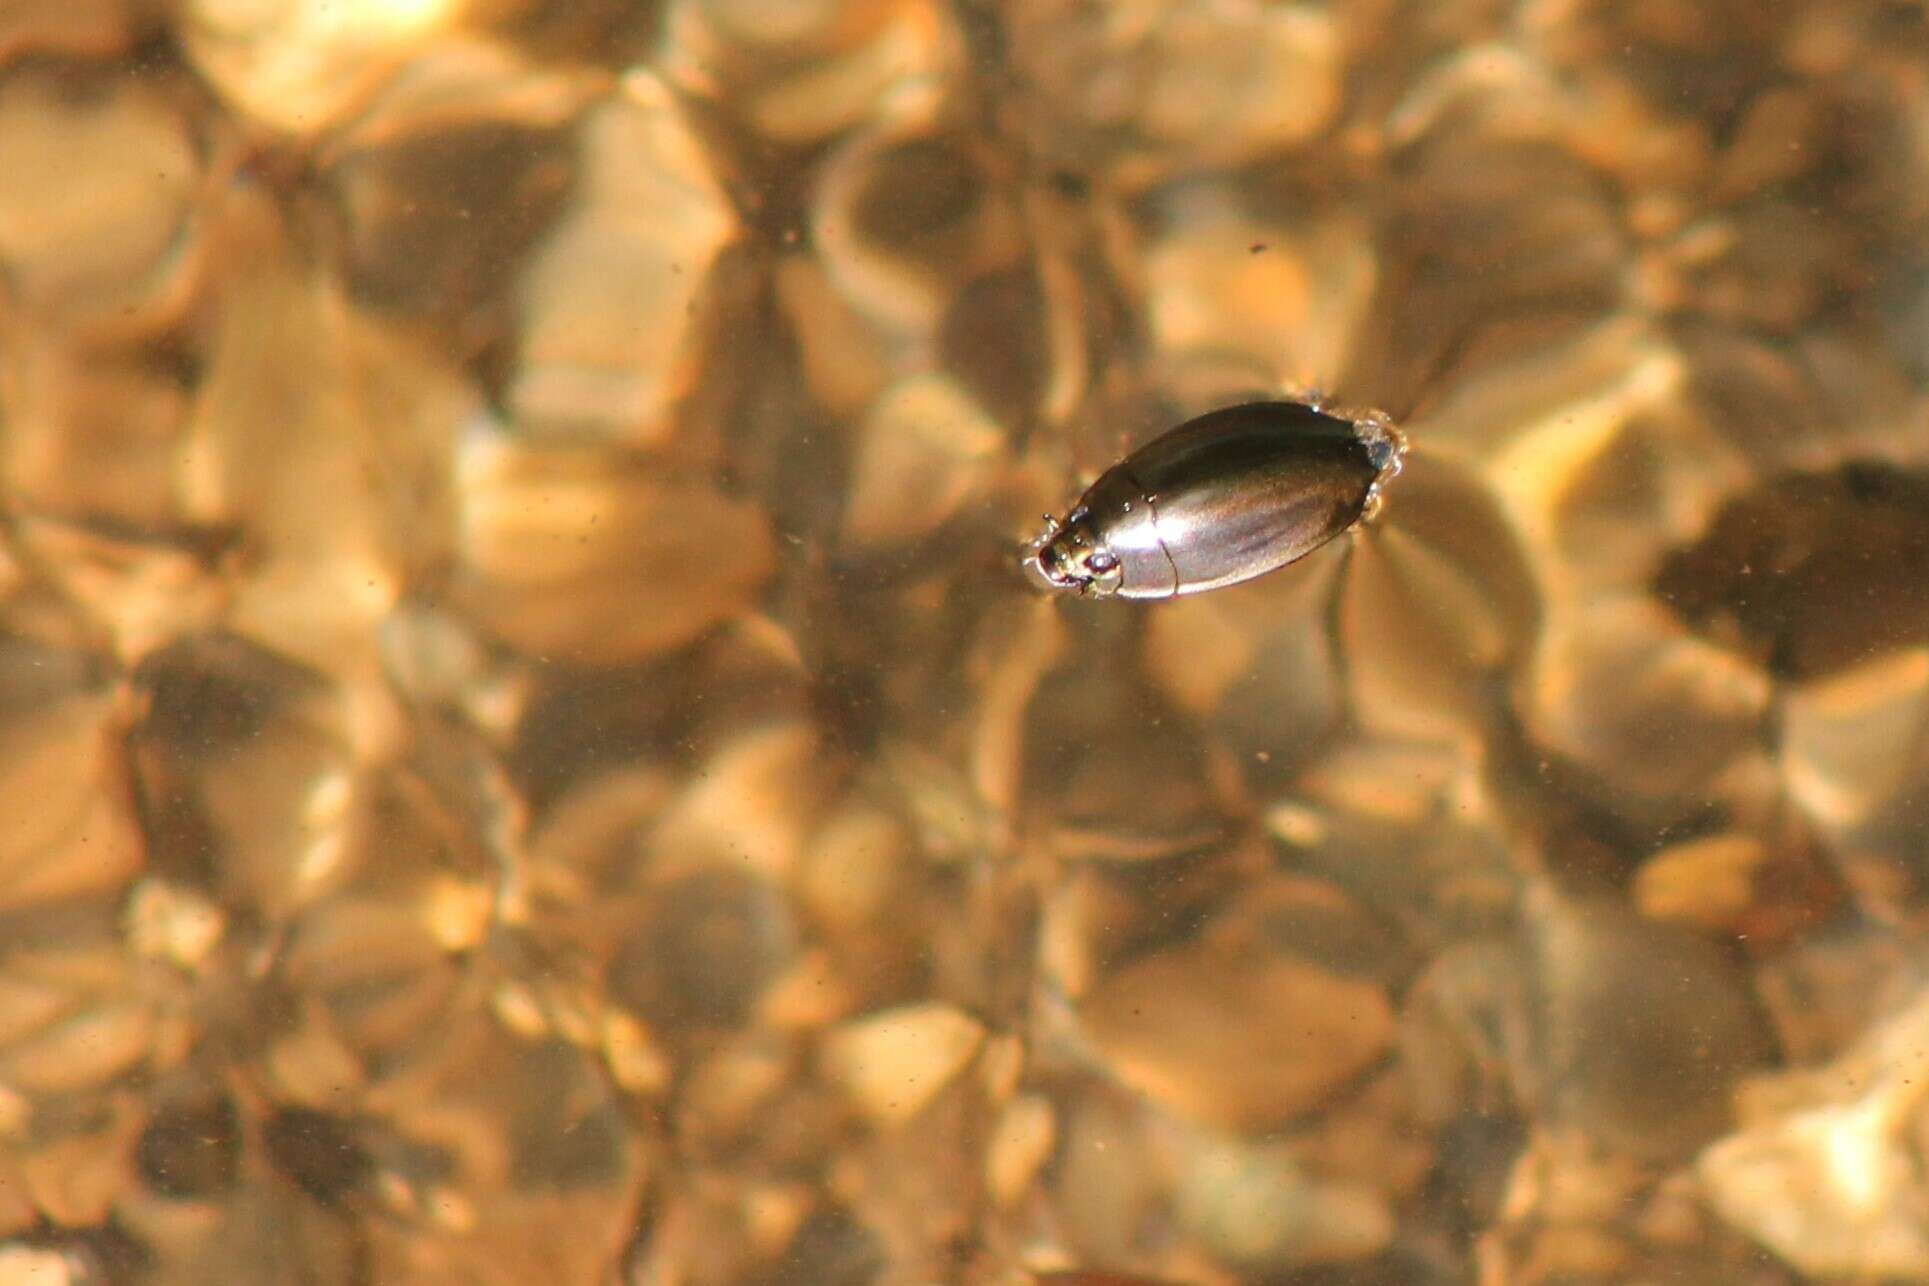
{"x":1102,"y":561}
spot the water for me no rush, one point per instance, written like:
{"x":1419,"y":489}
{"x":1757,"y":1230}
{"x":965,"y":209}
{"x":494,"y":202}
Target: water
{"x":529,"y":755}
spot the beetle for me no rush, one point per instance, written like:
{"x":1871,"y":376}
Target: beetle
{"x":1224,"y":497}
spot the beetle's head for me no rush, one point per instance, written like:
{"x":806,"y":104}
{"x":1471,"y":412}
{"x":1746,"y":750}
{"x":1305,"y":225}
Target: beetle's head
{"x":1071,"y":556}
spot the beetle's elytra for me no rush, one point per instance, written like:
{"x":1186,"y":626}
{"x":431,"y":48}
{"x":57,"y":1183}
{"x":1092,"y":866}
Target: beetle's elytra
{"x":1221,"y":499}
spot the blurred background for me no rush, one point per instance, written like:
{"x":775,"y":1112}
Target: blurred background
{"x":525,"y":755}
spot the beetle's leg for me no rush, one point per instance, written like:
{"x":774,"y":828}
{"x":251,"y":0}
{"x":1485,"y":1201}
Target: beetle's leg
{"x":1387,"y":447}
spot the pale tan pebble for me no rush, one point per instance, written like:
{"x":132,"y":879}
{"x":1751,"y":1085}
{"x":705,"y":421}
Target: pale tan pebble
{"x":613,"y":326}
{"x":897,"y":1062}
{"x":1021,"y":1142}
{"x":1237,"y":1040}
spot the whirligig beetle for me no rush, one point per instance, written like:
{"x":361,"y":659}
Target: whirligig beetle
{"x":1224,"y":497}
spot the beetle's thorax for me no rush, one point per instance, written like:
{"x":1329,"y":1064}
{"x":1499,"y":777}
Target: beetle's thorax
{"x":1126,"y":523}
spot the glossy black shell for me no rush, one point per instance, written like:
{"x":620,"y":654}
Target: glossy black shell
{"x":1228,"y":496}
